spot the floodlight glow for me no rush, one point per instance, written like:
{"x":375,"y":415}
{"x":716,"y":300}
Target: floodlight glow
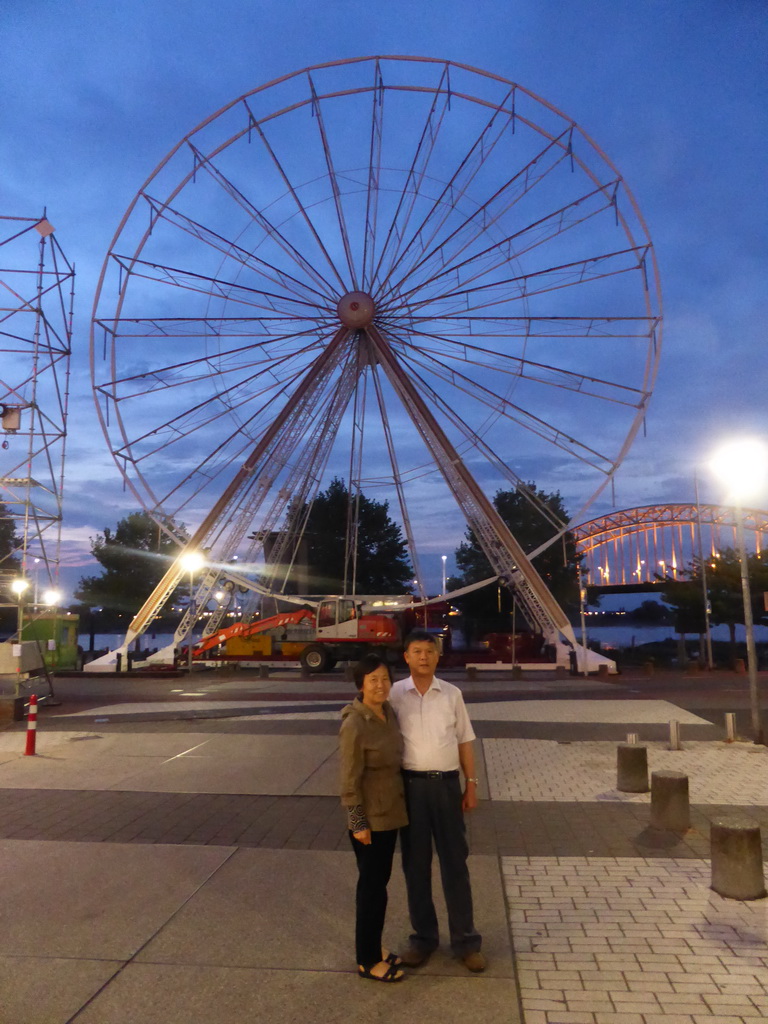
{"x":51,"y":597}
{"x":18,"y":586}
{"x":192,"y":561}
{"x":742,"y":465}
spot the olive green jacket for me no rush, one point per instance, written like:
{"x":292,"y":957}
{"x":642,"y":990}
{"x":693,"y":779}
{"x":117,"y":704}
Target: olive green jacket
{"x":370,"y":752}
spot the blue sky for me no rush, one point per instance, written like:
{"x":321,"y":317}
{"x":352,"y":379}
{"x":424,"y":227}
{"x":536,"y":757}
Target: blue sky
{"x":674,"y":93}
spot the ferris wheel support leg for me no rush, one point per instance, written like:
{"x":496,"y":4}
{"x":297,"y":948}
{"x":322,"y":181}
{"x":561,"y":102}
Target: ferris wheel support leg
{"x":497,"y":540}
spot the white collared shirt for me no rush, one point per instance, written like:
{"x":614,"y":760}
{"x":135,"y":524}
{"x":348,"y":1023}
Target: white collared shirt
{"x":433,"y":726}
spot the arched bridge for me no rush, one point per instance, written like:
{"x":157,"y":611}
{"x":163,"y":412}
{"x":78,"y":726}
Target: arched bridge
{"x":630,"y":548}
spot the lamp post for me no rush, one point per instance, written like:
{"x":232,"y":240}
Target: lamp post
{"x":191,"y":561}
{"x":743,"y":467}
{"x":19,"y":586}
{"x":445,"y":559}
{"x":582,"y":609}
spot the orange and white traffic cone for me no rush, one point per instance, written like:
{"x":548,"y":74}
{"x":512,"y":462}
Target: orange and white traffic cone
{"x":31,"y":725}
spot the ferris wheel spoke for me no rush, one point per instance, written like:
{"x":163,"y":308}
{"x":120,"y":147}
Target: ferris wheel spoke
{"x":190,"y":328}
{"x":303,"y":480}
{"x":536,"y":326}
{"x":487,"y":214}
{"x":265,"y":224}
{"x":513,"y":412}
{"x":301,"y":209}
{"x":565,"y":275}
{"x":232,"y":250}
{"x":411,"y":189}
{"x":534,"y":235}
{"x":317,"y":111}
{"x":374,"y":178}
{"x":180,"y":429}
{"x":168,"y":377}
{"x":251,"y":486}
{"x":523,"y":368}
{"x":213,"y":287}
{"x":477,"y":442}
{"x":218,"y":461}
{"x":396,"y":474}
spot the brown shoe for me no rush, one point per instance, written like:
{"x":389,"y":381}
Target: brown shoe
{"x":415,"y":957}
{"x":474,"y":962}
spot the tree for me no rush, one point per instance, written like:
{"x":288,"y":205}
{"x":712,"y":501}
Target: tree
{"x":135,"y":556}
{"x":383,"y":566}
{"x":652,"y":613}
{"x":488,"y":610}
{"x":686,"y":597}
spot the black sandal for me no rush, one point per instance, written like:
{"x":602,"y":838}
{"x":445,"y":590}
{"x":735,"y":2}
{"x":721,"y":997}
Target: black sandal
{"x":393,"y":958}
{"x":391,"y":974}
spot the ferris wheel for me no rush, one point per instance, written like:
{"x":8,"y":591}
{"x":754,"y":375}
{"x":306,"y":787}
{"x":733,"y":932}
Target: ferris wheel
{"x":402,"y":271}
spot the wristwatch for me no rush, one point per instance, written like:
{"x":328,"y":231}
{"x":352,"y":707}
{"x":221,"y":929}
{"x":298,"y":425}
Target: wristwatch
{"x":476,"y":781}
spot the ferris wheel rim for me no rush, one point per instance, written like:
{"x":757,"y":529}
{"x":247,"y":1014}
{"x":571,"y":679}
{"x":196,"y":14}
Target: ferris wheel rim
{"x":652,"y":366}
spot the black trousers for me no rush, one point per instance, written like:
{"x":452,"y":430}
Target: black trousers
{"x":435,"y":816}
{"x":374,"y":866}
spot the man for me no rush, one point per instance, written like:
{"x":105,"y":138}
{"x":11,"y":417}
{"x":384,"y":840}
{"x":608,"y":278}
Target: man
{"x":438,"y":738}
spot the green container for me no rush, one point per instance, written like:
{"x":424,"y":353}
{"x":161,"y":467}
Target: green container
{"x":56,"y":633}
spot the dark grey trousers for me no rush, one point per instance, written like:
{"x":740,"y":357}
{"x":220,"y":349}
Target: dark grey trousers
{"x":435,"y":816}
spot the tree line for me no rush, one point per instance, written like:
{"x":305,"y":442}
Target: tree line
{"x":135,"y":554}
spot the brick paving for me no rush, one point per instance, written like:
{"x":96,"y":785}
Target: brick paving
{"x":602,"y":940}
{"x":549,"y":770}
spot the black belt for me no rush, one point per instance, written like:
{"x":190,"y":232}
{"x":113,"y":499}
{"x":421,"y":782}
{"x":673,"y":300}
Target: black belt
{"x":430,"y":775}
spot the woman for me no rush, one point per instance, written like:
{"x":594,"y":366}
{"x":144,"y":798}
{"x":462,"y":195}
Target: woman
{"x":370,"y":749}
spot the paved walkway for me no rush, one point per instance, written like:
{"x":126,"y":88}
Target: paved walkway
{"x":177,"y":870}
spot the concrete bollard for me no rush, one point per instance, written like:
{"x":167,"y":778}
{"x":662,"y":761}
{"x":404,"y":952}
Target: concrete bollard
{"x":670,"y":807}
{"x":263,"y":671}
{"x":730,"y":726}
{"x":736,"y":850}
{"x":517,"y":672}
{"x":602,"y":671}
{"x":631,"y":768}
{"x":648,"y":668}
{"x":471,"y":673}
{"x":674,"y":735}
{"x":349,"y":673}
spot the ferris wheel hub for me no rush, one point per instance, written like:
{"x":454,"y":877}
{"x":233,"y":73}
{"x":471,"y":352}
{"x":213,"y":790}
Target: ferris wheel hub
{"x":356,"y":309}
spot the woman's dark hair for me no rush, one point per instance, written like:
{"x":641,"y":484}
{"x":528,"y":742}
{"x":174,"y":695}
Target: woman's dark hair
{"x":367,"y":664}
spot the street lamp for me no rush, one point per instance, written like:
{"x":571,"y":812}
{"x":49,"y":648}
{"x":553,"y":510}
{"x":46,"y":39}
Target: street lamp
{"x":445,"y":559}
{"x":742,"y":466}
{"x":19,"y":586}
{"x":192,"y":562}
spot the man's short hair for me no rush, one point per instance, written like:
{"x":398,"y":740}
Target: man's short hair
{"x":420,"y":636}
